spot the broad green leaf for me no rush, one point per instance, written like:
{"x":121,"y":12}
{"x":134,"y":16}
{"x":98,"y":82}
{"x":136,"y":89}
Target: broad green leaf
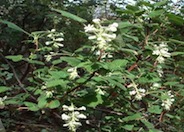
{"x":117,"y":64}
{"x":155,"y":109}
{"x":58,"y":74}
{"x":53,"y":83}
{"x":128,"y":127}
{"x":147,"y":124}
{"x":156,"y":13}
{"x":13,"y":26}
{"x":133,"y":117}
{"x":96,"y":102}
{"x":31,"y":106}
{"x":15,"y":58}
{"x":4,"y":89}
{"x":70,"y":15}
{"x":71,"y":60}
{"x":53,"y":104}
{"x":42,"y":101}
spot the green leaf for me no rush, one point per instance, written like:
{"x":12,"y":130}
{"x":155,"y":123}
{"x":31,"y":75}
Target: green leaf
{"x":155,"y":109}
{"x":31,"y":106}
{"x":175,"y":19}
{"x":117,"y":64}
{"x":53,"y":83}
{"x":131,"y":37}
{"x":15,"y":58}
{"x":176,"y":41}
{"x":133,"y":117}
{"x":35,"y":62}
{"x":4,"y":89}
{"x":53,"y":104}
{"x":147,"y":124}
{"x":69,"y":15}
{"x":128,"y":127}
{"x":156,"y":13}
{"x":58,"y":74}
{"x":13,"y":26}
{"x":177,"y":53}
{"x":161,"y":3}
{"x":71,"y":60}
{"x":42,"y":101}
{"x":96,"y":102}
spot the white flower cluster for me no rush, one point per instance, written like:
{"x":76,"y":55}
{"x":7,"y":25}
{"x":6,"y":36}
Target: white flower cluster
{"x":161,"y":51}
{"x":72,"y":117}
{"x":155,"y":86}
{"x":101,"y":34}
{"x":2,"y":102}
{"x":138,"y":93}
{"x":166,"y":103}
{"x":73,"y":73}
{"x":56,"y":39}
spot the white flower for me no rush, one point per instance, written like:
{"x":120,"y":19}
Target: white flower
{"x":132,"y":92}
{"x":166,"y":103}
{"x":101,"y":34}
{"x":161,"y":51}
{"x":97,"y":21}
{"x":113,"y":27}
{"x":65,"y":116}
{"x":82,"y":108}
{"x":72,"y":117}
{"x":59,"y":39}
{"x":53,"y":30}
{"x":92,"y":37}
{"x":160,"y":70}
{"x":49,"y":94}
{"x":89,"y":28}
{"x":156,"y":85}
{"x":73,"y":73}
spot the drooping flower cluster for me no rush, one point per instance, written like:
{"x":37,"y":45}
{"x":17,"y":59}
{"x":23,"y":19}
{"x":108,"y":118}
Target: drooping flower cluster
{"x":166,"y":103}
{"x":139,"y":93}
{"x":102,"y":35}
{"x":161,"y":51}
{"x":55,"y":39}
{"x":73,"y":73}
{"x":72,"y":116}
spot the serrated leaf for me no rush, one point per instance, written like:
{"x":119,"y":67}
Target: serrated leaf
{"x":70,"y":15}
{"x":31,"y":106}
{"x":13,"y":26}
{"x":15,"y":58}
{"x":53,"y":104}
{"x":4,"y":89}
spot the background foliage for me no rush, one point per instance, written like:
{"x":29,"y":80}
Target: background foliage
{"x":35,"y":69}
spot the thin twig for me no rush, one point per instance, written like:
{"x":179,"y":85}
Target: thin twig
{"x":16,"y":77}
